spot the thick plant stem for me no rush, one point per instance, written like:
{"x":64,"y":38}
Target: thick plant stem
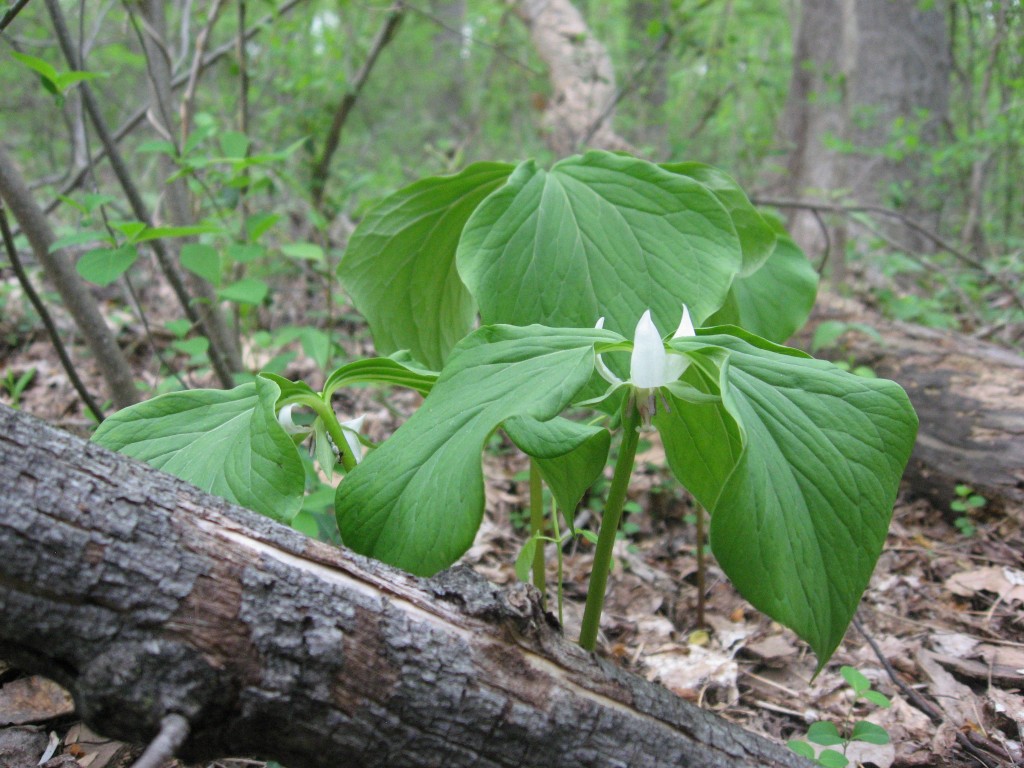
{"x":609,"y":527}
{"x":537,"y":528}
{"x":334,"y":429}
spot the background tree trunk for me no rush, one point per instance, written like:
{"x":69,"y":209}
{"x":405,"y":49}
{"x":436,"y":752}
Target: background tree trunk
{"x":73,"y":291}
{"x":582,"y":104}
{"x":145,"y":597}
{"x":863,"y":72}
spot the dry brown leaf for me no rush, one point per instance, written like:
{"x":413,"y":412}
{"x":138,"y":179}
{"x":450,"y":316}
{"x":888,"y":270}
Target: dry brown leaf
{"x":773,"y":649}
{"x":956,"y":699}
{"x":33,"y":700}
{"x":1007,"y":583}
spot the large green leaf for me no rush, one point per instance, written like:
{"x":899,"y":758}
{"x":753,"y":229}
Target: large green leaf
{"x":598,"y":235}
{"x":775,"y":301}
{"x":228,"y":443}
{"x":568,"y":454}
{"x":399,"y":267}
{"x":800,"y":520}
{"x":757,"y":238}
{"x":416,"y":502}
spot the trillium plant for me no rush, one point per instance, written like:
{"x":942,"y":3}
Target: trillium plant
{"x":532,"y":302}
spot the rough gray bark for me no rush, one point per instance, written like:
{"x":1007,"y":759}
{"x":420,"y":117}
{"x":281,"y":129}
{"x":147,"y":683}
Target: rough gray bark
{"x":969,"y":396}
{"x":144,"y":596}
{"x":582,"y":78}
{"x":858,"y":67}
{"x":72,"y":289}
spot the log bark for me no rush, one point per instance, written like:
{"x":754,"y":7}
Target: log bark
{"x":145,"y":597}
{"x":969,"y":396}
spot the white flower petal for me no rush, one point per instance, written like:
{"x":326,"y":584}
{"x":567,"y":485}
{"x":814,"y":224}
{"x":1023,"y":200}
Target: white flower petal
{"x":603,"y":369}
{"x":284,"y":418}
{"x":647,"y":364}
{"x":685,"y":325}
{"x":674,"y":367}
{"x":351,"y":430}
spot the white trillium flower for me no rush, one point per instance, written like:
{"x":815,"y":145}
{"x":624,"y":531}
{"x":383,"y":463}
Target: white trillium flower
{"x":349,"y":428}
{"x":650,"y":366}
{"x":284,"y":418}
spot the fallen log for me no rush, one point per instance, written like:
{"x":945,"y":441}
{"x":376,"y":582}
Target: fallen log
{"x":969,"y":397}
{"x":153,"y":602}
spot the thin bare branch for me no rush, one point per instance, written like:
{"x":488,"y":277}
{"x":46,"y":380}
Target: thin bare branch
{"x":848,"y":209}
{"x":12,"y":12}
{"x":174,"y":729}
{"x":73,"y":291}
{"x":134,"y":197}
{"x":384,"y":36}
{"x":44,"y":315}
{"x":187,"y":107}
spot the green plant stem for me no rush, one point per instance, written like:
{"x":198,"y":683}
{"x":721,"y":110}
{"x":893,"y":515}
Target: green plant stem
{"x":537,"y":529}
{"x":701,"y":564}
{"x":609,"y":527}
{"x":558,"y":553}
{"x":333,"y":426}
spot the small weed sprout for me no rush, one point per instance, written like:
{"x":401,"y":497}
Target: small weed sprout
{"x":827,"y":734}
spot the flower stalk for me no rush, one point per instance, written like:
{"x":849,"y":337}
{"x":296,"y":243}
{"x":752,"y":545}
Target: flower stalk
{"x":610,"y":525}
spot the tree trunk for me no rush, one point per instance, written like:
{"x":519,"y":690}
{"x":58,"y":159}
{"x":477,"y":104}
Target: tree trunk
{"x":146,"y":597}
{"x":582,"y":103}
{"x":865,"y":73}
{"x":969,"y":396}
{"x":73,"y":291}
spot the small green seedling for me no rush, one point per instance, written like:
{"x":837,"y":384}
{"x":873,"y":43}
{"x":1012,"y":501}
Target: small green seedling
{"x":827,"y":734}
{"x":15,"y":386}
{"x":967,"y":503}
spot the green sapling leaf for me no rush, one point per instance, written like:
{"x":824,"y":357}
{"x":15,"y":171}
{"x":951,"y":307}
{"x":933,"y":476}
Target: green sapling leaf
{"x":202,"y":260}
{"x":856,"y":680}
{"x":869,"y":732}
{"x":825,"y":733}
{"x":104,"y":265}
{"x":228,"y":443}
{"x":878,"y":699}
{"x":829,"y":758}
{"x":802,"y":748}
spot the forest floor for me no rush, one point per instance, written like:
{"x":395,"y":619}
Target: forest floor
{"x":942,"y":621}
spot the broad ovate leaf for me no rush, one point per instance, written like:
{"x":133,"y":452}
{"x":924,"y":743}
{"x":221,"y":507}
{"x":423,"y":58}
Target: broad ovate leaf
{"x":757,"y":237}
{"x":417,"y":501}
{"x":775,"y":301}
{"x":569,"y":455}
{"x":800,"y":519}
{"x":399,"y":267}
{"x":598,"y":235}
{"x":228,"y":443}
